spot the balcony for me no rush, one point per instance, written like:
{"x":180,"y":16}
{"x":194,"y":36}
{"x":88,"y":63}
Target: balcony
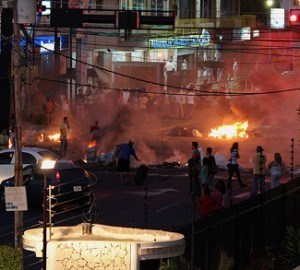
{"x":190,"y":26}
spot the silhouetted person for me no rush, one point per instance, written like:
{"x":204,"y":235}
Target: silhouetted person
{"x":125,"y":151}
{"x":259,"y":171}
{"x":64,"y":129}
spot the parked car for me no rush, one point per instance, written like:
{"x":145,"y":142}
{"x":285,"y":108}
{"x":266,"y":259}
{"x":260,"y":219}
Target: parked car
{"x":72,"y":184}
{"x":30,"y":155}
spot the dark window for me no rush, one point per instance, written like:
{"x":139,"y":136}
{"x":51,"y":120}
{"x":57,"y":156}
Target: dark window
{"x":5,"y":158}
{"x":48,"y":155}
{"x":28,"y":159}
{"x":38,"y":176}
{"x":71,"y":175}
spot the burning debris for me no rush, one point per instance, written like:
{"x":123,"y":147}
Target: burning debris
{"x":236,"y":130}
{"x":180,"y":131}
{"x":54,"y":137}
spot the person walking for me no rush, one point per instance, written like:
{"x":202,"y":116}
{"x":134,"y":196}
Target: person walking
{"x":64,"y":129}
{"x":125,"y":151}
{"x":259,"y":171}
{"x":233,"y":166}
{"x":276,"y":167}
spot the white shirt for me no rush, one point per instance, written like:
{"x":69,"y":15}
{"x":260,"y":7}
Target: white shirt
{"x":169,"y":66}
{"x":190,"y":98}
{"x":125,"y":97}
{"x":184,"y":65}
{"x":235,"y":66}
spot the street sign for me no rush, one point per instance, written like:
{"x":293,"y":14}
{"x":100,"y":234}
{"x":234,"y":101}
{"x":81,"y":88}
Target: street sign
{"x":15,"y":199}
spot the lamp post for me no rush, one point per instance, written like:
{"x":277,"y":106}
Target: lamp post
{"x":46,"y":165}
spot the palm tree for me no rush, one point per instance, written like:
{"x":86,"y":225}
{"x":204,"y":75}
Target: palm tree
{"x":291,"y":247}
{"x":226,"y":262}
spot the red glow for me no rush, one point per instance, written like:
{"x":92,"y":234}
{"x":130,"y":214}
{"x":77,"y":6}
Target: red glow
{"x":57,"y":176}
{"x":293,"y":18}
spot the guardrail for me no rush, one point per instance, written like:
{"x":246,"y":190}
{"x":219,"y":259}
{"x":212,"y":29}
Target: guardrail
{"x":251,"y":225}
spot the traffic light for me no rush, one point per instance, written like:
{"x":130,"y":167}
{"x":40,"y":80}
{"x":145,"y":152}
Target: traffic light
{"x":295,"y":17}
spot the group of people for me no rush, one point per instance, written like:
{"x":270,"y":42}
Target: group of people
{"x":276,"y":169}
{"x":213,"y":196}
{"x":202,"y":180}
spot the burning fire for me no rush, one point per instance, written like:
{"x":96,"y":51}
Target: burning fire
{"x":92,"y":144}
{"x":54,"y":137}
{"x":236,"y":130}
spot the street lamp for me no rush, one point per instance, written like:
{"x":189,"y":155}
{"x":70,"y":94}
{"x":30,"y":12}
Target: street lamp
{"x":269,"y":3}
{"x":47,"y":164}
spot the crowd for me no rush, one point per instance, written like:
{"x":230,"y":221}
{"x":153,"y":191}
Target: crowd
{"x":214,"y":196}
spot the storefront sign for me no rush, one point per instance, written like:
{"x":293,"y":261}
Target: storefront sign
{"x":181,"y":42}
{"x":47,"y":43}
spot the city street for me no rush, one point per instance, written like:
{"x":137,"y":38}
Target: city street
{"x":166,"y":205}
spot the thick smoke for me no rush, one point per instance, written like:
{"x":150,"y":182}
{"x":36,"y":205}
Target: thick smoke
{"x":270,"y":116}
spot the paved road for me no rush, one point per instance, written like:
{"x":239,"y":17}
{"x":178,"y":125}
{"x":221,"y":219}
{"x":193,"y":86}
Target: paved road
{"x":168,"y":200}
{"x":168,"y":204}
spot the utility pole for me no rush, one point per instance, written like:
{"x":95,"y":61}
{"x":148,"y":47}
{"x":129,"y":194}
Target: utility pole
{"x":16,"y":72}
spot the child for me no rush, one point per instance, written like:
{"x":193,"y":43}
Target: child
{"x":205,"y":202}
{"x":218,"y":196}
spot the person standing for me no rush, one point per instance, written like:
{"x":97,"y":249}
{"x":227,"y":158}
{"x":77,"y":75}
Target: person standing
{"x":194,"y":170}
{"x":4,"y":139}
{"x":184,"y":70}
{"x":169,"y":68}
{"x":212,"y":167}
{"x":79,"y":102}
{"x":276,"y":167}
{"x":259,"y":171}
{"x":125,"y":151}
{"x":235,"y":68}
{"x":218,"y":195}
{"x":180,"y":104}
{"x":206,"y":205}
{"x":190,"y":99}
{"x":233,"y":166}
{"x":143,"y":103}
{"x":204,"y":172}
{"x":49,"y":109}
{"x":64,"y":129}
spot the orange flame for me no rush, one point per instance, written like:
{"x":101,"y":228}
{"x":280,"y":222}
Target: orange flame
{"x":236,"y":130}
{"x":41,"y":137}
{"x":92,"y":144}
{"x":54,"y":137}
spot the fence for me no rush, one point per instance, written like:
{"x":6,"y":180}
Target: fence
{"x":251,"y":225}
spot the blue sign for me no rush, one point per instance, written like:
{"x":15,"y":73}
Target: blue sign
{"x":202,"y":40}
{"x":47,"y":43}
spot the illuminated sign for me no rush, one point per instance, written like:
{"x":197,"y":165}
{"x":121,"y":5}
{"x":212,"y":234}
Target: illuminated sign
{"x":47,"y":43}
{"x":277,"y":18}
{"x":202,"y":40}
{"x":242,"y":34}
